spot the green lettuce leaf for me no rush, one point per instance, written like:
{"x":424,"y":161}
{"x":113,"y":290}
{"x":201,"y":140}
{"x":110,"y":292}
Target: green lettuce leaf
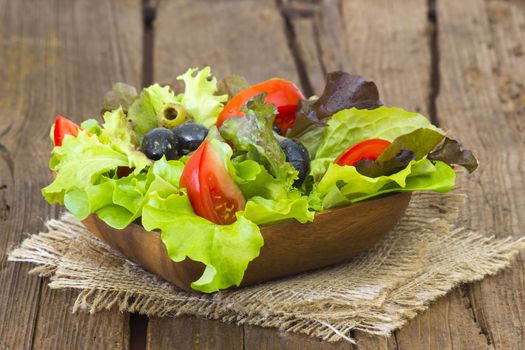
{"x":269,"y":199}
{"x":343,"y":185}
{"x":263,"y":211}
{"x":199,"y":97}
{"x":118,"y":133}
{"x":226,"y":250}
{"x":254,"y":180}
{"x":91,"y":126}
{"x":118,"y":202}
{"x":143,"y":111}
{"x":351,"y":126}
{"x":83,"y":201}
{"x":85,"y":168}
{"x":78,"y":164}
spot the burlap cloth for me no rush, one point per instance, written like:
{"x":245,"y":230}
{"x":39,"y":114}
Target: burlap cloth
{"x":377,"y":292}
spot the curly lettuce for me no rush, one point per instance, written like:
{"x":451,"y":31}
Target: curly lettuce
{"x":86,"y":166}
{"x":143,"y":111}
{"x":269,"y":199}
{"x":261,"y":171}
{"x":199,"y":97}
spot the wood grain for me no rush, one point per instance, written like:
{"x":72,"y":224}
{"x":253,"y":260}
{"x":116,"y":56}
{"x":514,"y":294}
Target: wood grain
{"x":57,"y":328}
{"x":243,"y":37}
{"x":187,"y":332}
{"x":388,"y":42}
{"x":482,"y":101}
{"x":318,"y":37}
{"x":446,"y":325}
{"x":267,"y":338}
{"x":55,"y":57}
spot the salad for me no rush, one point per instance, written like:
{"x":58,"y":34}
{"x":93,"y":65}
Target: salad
{"x":208,"y":166}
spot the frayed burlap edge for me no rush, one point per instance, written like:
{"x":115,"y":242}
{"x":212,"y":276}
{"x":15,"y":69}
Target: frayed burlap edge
{"x":377,"y":292}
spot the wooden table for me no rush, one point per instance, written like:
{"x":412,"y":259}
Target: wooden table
{"x":460,"y":62}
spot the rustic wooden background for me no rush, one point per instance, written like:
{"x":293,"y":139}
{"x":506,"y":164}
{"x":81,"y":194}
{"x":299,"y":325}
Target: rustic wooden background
{"x":459,"y":62}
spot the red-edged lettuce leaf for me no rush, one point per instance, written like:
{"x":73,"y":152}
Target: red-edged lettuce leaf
{"x":415,"y":146}
{"x":253,"y":135}
{"x":342,"y":91}
{"x":375,"y":168}
{"x":451,"y":152}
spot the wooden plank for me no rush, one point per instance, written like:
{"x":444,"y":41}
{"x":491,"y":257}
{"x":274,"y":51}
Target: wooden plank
{"x":369,"y":342}
{"x":482,"y":101}
{"x":233,"y":37}
{"x":57,"y":328}
{"x":266,"y":338}
{"x":446,"y":325}
{"x":318,"y":38}
{"x":388,"y":42}
{"x":188,"y":332}
{"x":57,"y":57}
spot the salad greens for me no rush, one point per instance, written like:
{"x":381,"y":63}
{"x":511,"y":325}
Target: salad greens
{"x":253,"y":134}
{"x":198,"y":99}
{"x":226,"y":250}
{"x":343,"y":185}
{"x":102,"y":170}
{"x":351,"y":126}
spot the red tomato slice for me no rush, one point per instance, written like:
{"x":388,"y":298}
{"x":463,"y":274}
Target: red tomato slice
{"x":63,"y":127}
{"x":369,"y":149}
{"x":213,"y":193}
{"x":280,"y":92}
{"x":190,"y":179}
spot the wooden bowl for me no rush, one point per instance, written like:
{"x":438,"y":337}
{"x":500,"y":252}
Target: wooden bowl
{"x":289,"y":247}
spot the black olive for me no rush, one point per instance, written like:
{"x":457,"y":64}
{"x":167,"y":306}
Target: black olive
{"x":297,"y":155}
{"x":159,"y":142}
{"x":190,"y":136}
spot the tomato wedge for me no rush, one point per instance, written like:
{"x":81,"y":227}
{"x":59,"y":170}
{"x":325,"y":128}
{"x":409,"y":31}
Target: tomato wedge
{"x":63,"y":127}
{"x":213,"y":193}
{"x":280,"y":92}
{"x":369,"y":149}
